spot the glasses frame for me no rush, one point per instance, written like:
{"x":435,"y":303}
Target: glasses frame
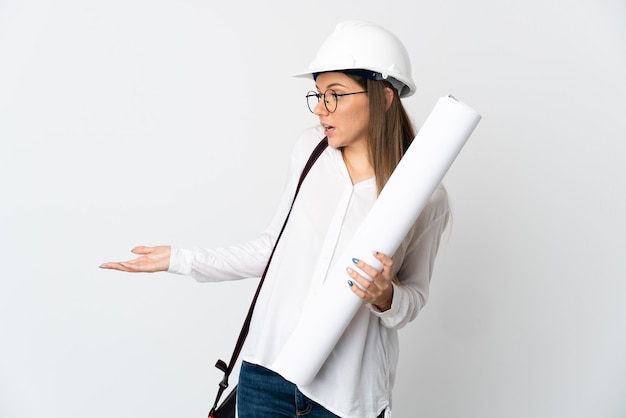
{"x":333,"y":93}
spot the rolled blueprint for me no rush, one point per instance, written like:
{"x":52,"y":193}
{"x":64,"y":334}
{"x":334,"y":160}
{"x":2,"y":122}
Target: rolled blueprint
{"x":420,"y":171}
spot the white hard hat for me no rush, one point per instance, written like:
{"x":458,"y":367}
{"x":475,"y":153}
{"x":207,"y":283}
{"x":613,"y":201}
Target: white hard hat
{"x":357,"y":45}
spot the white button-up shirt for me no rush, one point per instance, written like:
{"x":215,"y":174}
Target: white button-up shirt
{"x":357,"y":378}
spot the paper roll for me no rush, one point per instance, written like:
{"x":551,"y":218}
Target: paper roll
{"x":396,"y":209}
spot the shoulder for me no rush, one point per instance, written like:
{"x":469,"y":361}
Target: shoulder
{"x":305,"y":144}
{"x":308,"y":139}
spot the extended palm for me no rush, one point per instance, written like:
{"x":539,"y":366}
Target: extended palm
{"x":152,"y":259}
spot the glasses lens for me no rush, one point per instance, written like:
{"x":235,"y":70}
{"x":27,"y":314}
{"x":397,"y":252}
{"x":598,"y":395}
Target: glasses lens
{"x":330,"y":100}
{"x":312,"y":99}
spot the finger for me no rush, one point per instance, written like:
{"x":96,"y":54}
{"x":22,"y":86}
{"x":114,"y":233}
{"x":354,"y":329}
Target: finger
{"x":107,"y":266}
{"x":387,"y":262}
{"x":366,"y":268}
{"x":132,"y":267}
{"x":129,"y":266}
{"x":355,"y":284}
{"x":384,"y":259}
{"x":359,"y":281}
{"x":142,"y":250}
{"x":355,"y":289}
{"x":115,"y":266}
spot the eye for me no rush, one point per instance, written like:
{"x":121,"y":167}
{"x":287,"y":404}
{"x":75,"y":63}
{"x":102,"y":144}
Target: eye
{"x":312,"y":94}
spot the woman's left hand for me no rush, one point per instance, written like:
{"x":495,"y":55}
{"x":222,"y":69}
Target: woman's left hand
{"x":378,"y":291}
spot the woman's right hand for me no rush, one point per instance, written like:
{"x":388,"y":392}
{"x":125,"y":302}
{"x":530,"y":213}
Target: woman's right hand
{"x":152,"y":259}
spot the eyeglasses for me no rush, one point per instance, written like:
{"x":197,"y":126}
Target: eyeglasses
{"x":331,"y":97}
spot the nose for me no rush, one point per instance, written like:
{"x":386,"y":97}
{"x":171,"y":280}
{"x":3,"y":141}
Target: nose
{"x":320,"y":109}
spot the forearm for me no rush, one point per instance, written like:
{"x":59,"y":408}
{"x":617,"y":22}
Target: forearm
{"x":417,"y":256}
{"x":220,"y":264}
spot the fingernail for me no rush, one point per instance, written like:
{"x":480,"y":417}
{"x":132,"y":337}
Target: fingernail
{"x":355,"y":260}
{"x":375,"y":252}
{"x":349,"y":270}
{"x":350,"y":283}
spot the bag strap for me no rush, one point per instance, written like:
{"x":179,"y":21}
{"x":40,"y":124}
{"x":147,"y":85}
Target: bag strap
{"x":228,"y":368}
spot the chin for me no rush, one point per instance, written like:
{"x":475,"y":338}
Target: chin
{"x":333,"y":143}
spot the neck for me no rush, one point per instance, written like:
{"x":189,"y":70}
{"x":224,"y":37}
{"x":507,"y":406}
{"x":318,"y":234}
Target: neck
{"x":358,"y":164}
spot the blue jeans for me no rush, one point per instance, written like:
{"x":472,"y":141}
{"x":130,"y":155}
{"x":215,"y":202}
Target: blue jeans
{"x":261,"y":393}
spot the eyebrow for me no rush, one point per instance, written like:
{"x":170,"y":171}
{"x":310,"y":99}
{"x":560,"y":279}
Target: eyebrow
{"x":330,"y":86}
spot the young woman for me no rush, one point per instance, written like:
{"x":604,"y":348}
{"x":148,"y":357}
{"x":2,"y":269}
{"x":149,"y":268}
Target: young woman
{"x":360,"y":74}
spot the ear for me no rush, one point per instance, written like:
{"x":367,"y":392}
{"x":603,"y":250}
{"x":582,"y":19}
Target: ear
{"x":389,"y":93}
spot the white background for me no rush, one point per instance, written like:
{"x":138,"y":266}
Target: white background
{"x":170,"y":122}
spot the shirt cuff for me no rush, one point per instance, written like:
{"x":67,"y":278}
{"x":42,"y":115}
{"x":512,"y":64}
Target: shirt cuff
{"x":180,"y":261}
